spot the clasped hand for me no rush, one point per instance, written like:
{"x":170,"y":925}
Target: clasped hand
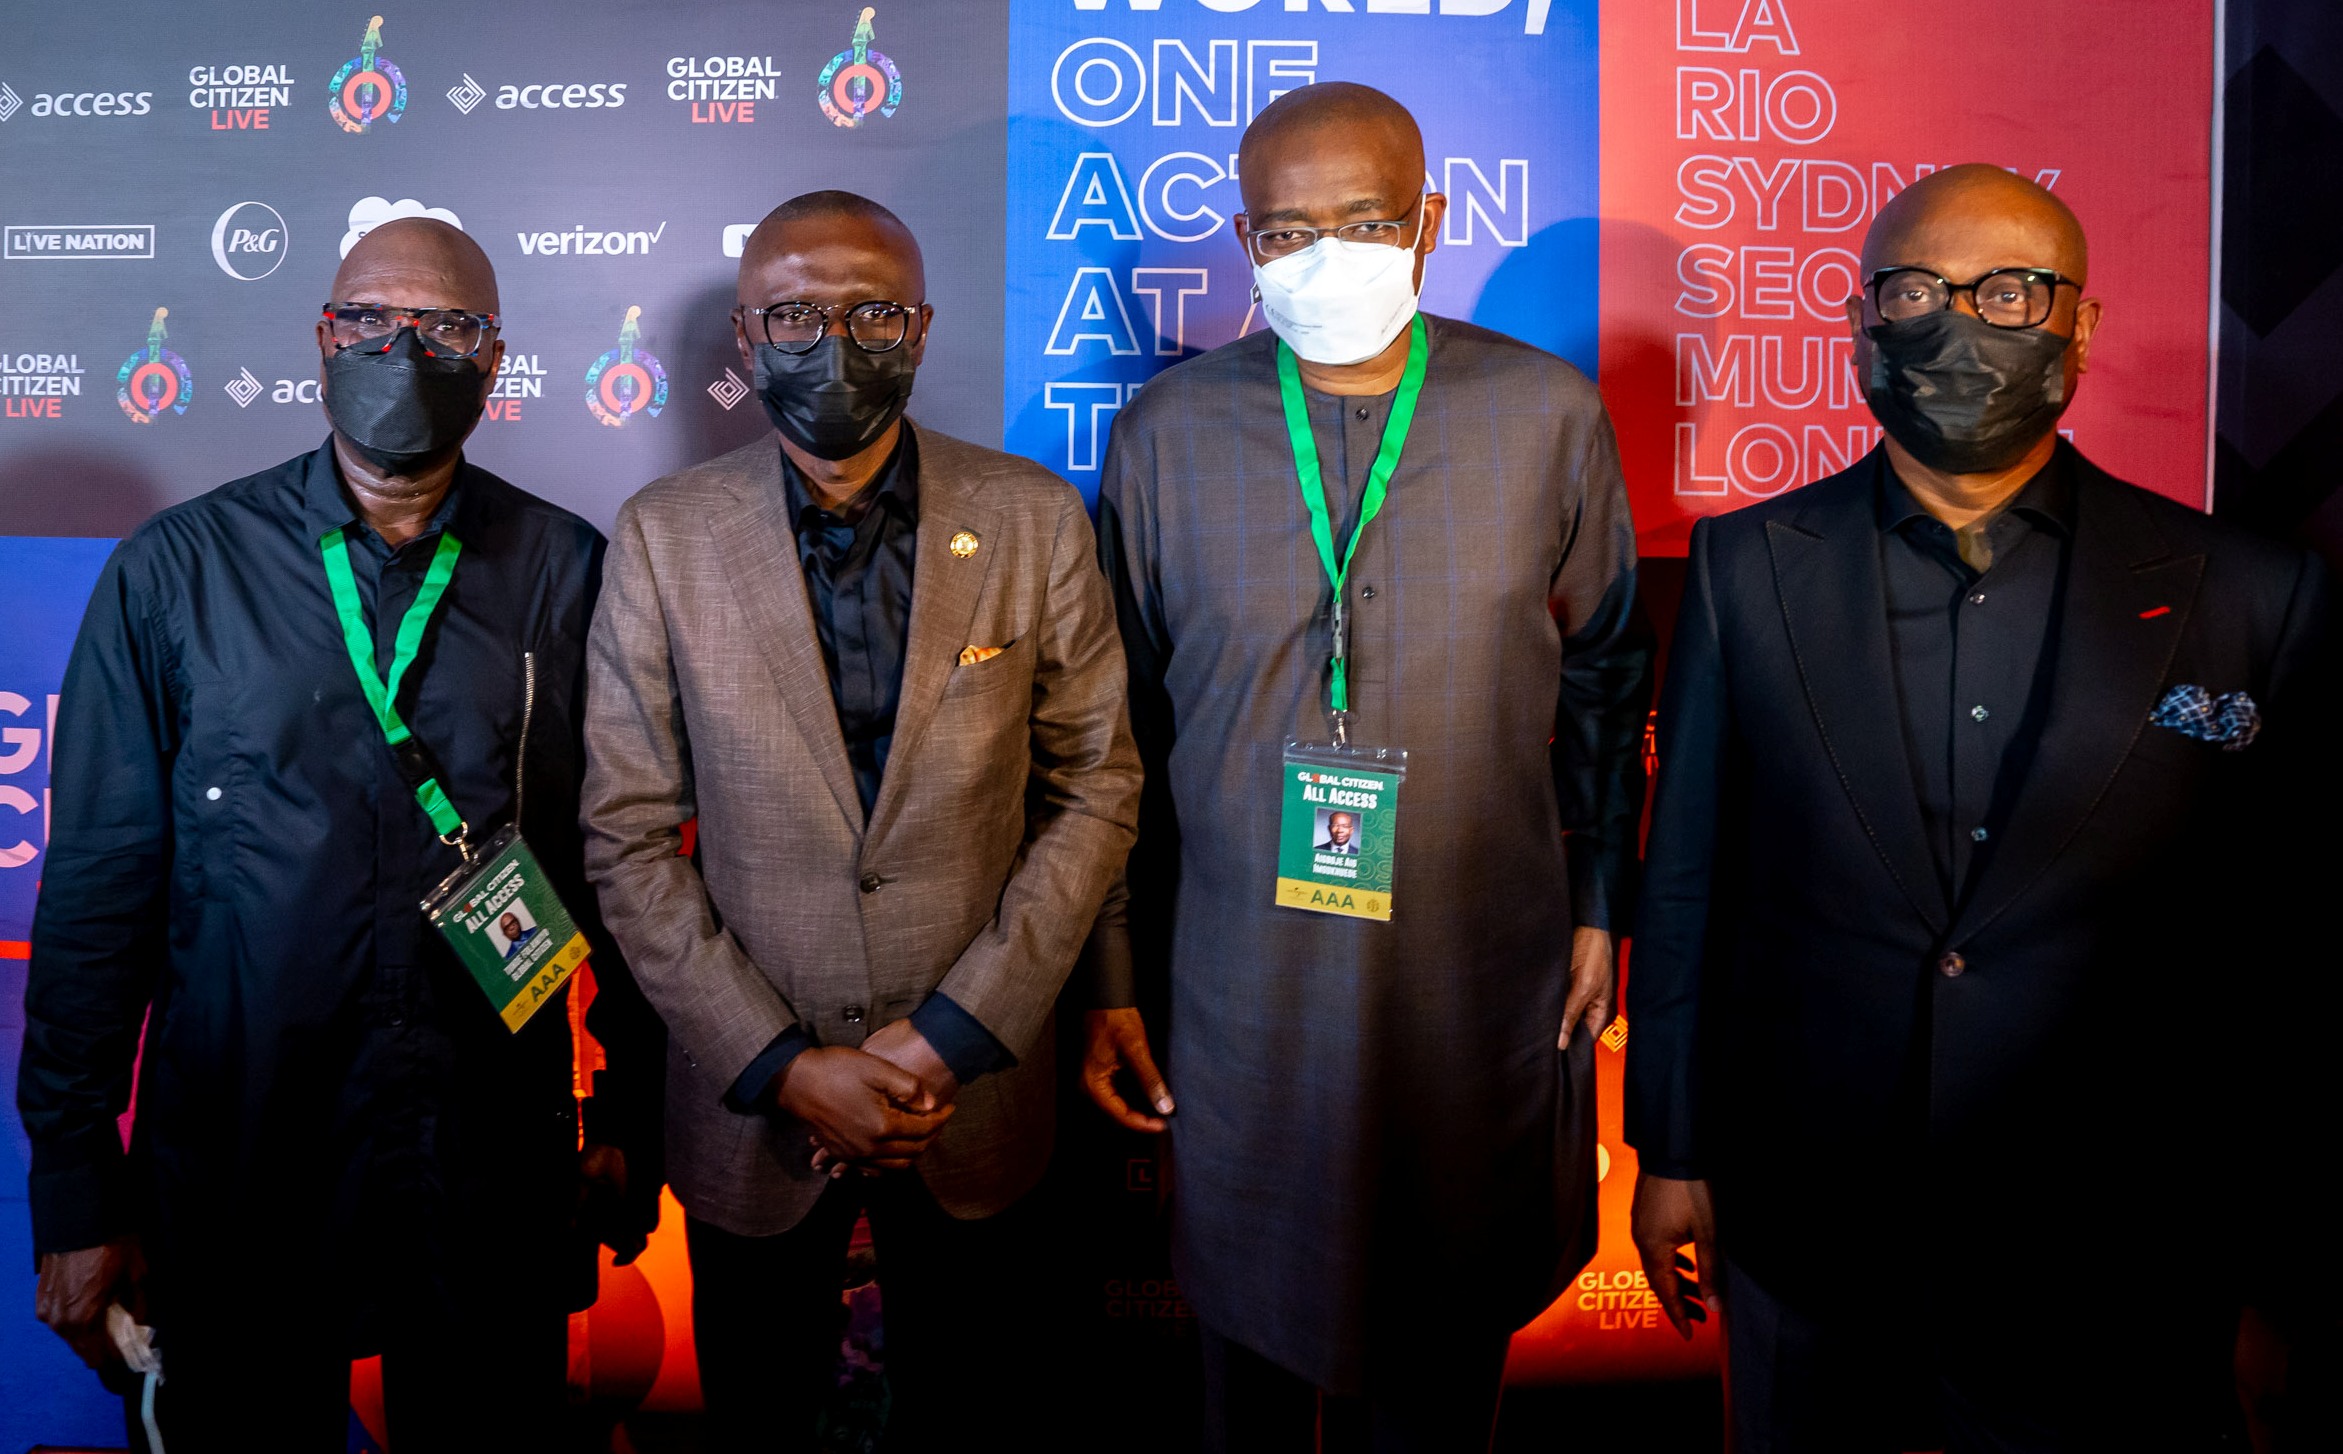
{"x":873,"y":1109}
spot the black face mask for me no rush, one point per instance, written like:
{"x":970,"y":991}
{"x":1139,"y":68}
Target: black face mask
{"x":837,"y":399}
{"x":402,"y":409}
{"x":1964,"y":396}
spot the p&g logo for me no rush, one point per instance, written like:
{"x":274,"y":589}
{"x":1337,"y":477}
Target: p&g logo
{"x":248,"y":241}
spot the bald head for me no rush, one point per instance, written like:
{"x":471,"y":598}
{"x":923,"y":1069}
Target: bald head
{"x":835,"y":225}
{"x":417,"y":262}
{"x":1329,"y":154}
{"x":1965,"y":221}
{"x":1339,"y":116}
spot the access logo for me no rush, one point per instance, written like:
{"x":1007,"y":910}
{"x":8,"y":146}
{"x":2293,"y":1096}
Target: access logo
{"x":154,"y":380}
{"x":368,"y":88}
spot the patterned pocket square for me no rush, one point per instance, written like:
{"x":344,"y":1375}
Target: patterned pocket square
{"x":2231,"y":719}
{"x":971,"y":655}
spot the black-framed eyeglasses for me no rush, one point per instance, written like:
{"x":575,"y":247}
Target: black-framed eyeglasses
{"x":2005,"y":297}
{"x":443,"y":332}
{"x":1271,"y":243}
{"x":876,"y":325}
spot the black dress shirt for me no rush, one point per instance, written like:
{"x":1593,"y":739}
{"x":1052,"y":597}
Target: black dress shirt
{"x":858,"y":567}
{"x":1972,"y":656}
{"x":235,"y":851}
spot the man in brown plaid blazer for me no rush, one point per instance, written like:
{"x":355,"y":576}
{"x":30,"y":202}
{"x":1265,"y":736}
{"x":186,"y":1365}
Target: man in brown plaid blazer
{"x":881,"y":668}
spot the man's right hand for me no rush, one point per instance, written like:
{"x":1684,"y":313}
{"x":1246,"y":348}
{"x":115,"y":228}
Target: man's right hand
{"x":1114,"y":1039}
{"x":860,"y":1108}
{"x":76,"y":1288}
{"x":1669,"y":1213}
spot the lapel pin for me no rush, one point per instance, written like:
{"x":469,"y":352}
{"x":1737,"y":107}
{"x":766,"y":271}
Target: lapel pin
{"x":964,"y":543}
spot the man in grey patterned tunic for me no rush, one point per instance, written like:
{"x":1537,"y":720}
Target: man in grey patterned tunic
{"x":1384,"y":1139}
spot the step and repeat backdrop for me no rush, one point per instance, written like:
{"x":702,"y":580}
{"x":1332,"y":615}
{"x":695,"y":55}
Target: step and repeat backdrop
{"x":1669,"y":193}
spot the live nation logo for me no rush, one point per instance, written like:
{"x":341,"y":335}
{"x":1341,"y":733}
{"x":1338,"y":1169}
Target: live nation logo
{"x":78,"y":241}
{"x":241,"y":95}
{"x":722,"y":90}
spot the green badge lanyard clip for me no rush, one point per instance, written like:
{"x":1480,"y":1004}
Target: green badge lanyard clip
{"x":1305,"y":446}
{"x":383,"y":695}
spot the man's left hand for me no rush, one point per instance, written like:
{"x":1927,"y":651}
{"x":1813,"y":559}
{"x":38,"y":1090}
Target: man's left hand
{"x":905,"y":1048}
{"x":1594,"y":985}
{"x":900,"y":1044}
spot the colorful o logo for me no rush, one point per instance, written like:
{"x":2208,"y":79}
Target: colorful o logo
{"x":166,"y":380}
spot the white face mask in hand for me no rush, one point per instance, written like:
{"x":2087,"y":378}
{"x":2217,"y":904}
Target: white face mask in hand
{"x":1337,"y":302}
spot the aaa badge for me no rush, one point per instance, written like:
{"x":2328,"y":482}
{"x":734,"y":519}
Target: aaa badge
{"x":509,"y":928}
{"x":1338,"y":830}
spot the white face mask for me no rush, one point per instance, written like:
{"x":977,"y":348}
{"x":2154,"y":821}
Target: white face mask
{"x":1339,"y":302}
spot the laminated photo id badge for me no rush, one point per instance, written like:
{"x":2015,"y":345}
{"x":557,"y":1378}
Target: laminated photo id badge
{"x":1336,"y":835}
{"x":504,"y":921}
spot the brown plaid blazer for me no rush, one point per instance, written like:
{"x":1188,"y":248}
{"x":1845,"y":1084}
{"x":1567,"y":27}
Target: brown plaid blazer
{"x":1008,"y":805}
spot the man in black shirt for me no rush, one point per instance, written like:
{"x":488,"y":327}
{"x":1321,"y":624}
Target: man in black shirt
{"x":1979,"y":771}
{"x":340,"y":1148}
{"x":911,"y":801}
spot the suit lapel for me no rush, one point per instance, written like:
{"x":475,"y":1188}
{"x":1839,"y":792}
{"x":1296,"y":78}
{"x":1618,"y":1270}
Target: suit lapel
{"x":2127,"y":603}
{"x":944,"y":590}
{"x":759,"y":551}
{"x":1834,"y":600}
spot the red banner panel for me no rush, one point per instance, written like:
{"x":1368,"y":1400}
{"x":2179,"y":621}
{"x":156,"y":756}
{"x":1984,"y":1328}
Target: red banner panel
{"x":1748,"y":143}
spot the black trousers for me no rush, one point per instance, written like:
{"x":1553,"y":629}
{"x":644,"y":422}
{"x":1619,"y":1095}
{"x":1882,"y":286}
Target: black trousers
{"x":967,"y":1308}
{"x":1442,"y":1403}
{"x":259,"y":1374}
{"x":1903,"y":1380}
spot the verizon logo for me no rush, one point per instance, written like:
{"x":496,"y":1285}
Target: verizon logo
{"x":581,"y":242}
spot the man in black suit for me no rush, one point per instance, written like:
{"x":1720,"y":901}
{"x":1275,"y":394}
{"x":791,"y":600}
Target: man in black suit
{"x":1980,"y":850}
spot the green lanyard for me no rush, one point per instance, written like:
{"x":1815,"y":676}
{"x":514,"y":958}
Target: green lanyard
{"x":1297,"y":428}
{"x":383,"y":696}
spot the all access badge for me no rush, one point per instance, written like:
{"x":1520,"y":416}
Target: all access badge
{"x":1338,"y":829}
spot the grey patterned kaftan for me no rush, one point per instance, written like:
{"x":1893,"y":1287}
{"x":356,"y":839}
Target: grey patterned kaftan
{"x":1377,"y":1144}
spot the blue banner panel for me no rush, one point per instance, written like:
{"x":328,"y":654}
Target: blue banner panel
{"x":46,"y":582}
{"x":1124,"y":119}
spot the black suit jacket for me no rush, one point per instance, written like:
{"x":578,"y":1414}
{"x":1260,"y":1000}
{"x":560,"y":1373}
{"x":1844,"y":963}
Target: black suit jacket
{"x":1875,"y":1079}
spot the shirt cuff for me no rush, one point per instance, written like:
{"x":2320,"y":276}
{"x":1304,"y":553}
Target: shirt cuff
{"x":75,"y":1207}
{"x":1597,"y":883}
{"x":959,"y":1039}
{"x":752,"y":1094}
{"x":1672,"y":1170}
{"x":1108,"y":968}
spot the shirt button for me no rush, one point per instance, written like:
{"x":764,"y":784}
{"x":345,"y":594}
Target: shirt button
{"x":1978,"y":835}
{"x":1362,"y":413}
{"x":1367,"y":594}
{"x":852,"y":1014}
{"x":211,"y":794}
{"x":871,"y":882}
{"x":1952,"y":966}
{"x":1979,"y":713}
